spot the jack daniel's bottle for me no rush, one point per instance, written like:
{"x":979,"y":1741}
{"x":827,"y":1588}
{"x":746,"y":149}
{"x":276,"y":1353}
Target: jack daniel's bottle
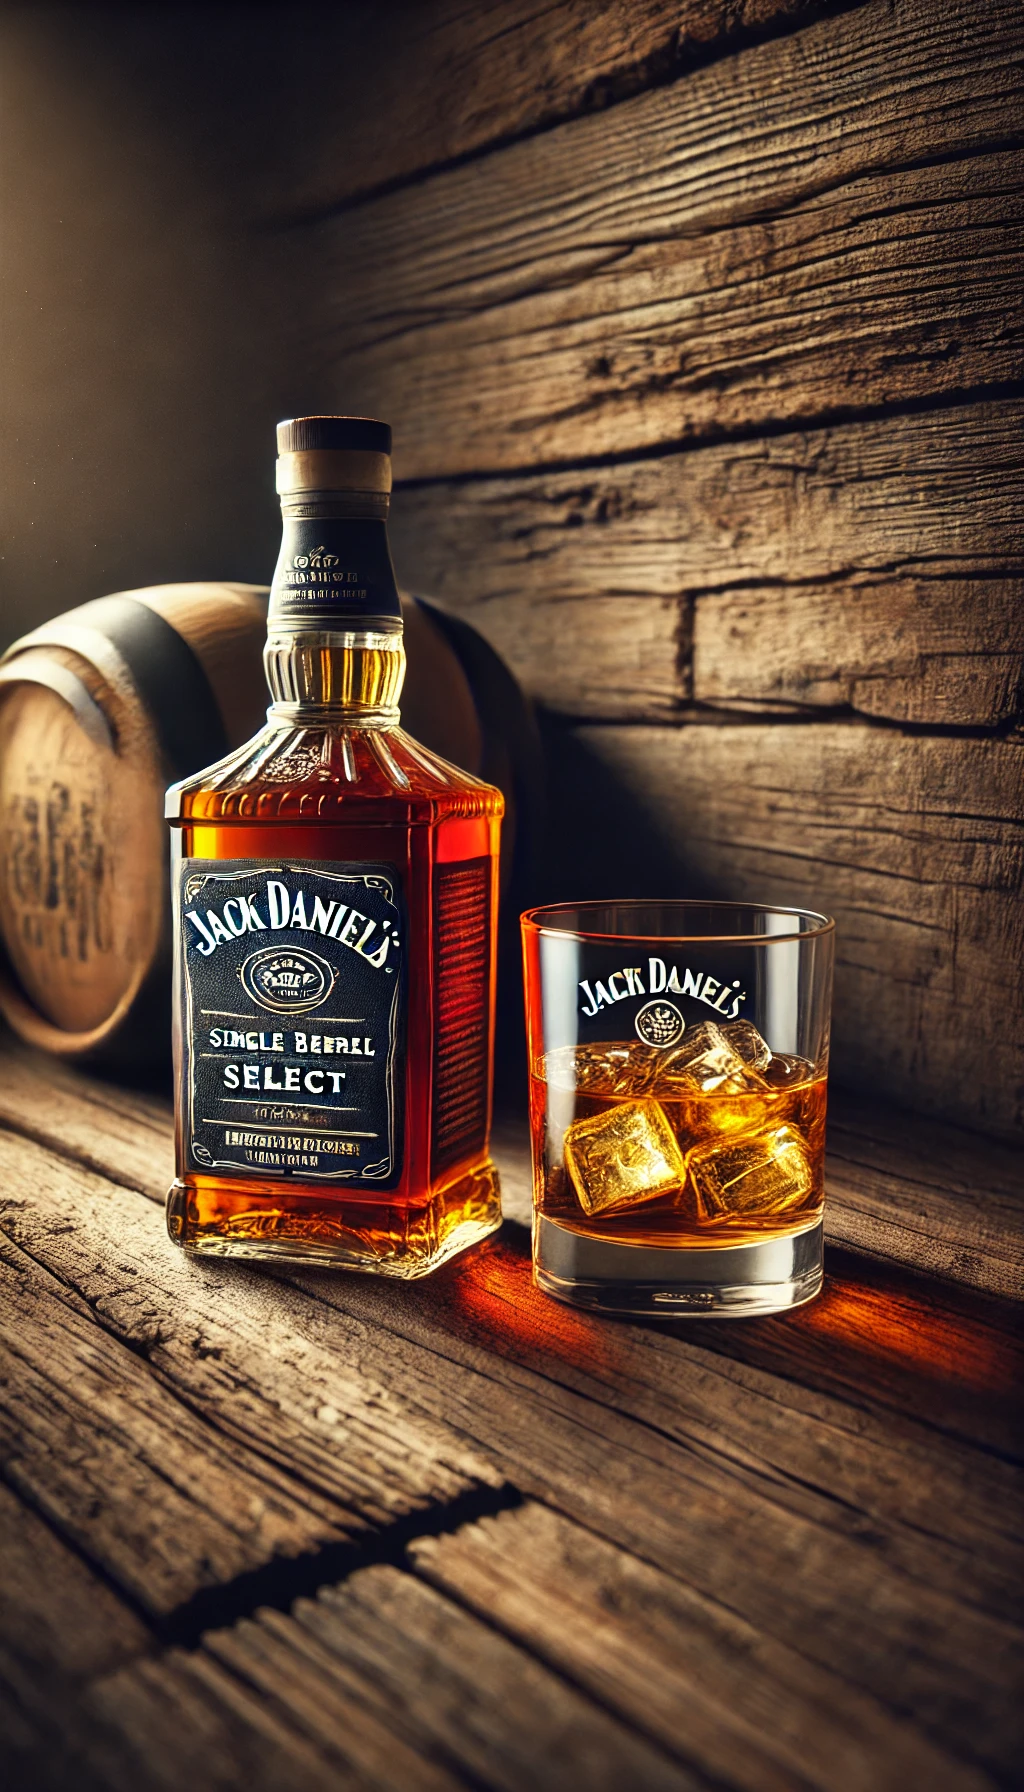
{"x":335,"y":888}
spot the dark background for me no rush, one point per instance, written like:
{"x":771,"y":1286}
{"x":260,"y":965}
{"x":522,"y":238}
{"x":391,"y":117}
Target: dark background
{"x":151,"y":341}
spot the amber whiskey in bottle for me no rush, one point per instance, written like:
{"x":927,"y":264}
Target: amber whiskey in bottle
{"x":335,"y":894}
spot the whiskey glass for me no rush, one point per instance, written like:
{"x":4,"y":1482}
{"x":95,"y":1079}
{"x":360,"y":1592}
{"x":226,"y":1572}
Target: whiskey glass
{"x":678,"y":1056}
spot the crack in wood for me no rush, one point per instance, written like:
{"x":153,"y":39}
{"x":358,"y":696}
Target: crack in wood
{"x":280,"y":1581}
{"x":757,"y":712}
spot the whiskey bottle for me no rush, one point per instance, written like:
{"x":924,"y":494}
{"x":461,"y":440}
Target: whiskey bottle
{"x":335,"y":907}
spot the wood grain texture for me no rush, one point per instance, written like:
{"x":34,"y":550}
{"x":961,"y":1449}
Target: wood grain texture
{"x":881,"y":290}
{"x":125,"y":1134}
{"x":695,"y":1386}
{"x":906,"y":1344}
{"x":650,"y":1648}
{"x":139,"y":1413}
{"x":756,"y":243}
{"x":183,"y":1721}
{"x":445,"y":1682}
{"x":838,"y":1449}
{"x":123,"y":1468}
{"x":54,"y":1614}
{"x":59,"y":1626}
{"x":256,"y":1708}
{"x":537,"y":1655}
{"x":913,"y":649}
{"x":450,"y":82}
{"x":688,"y":1495}
{"x":929,"y":1195}
{"x":914,"y":844}
{"x":584,"y":580}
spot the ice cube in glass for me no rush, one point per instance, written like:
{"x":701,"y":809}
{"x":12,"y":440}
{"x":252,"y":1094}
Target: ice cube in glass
{"x":624,"y":1156}
{"x":705,"y":1062}
{"x":745,"y":1039}
{"x":759,"y":1173}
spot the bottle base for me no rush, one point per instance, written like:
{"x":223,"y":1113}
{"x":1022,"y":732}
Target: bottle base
{"x":370,"y":1239}
{"x":737,"y":1282}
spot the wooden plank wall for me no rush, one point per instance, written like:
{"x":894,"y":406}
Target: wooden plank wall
{"x":700,"y":326}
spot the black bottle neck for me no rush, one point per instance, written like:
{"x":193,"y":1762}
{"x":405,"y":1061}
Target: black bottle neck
{"x":333,"y":572}
{"x":334,"y":650}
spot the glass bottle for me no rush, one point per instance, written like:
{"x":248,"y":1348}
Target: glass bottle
{"x":335,"y":891}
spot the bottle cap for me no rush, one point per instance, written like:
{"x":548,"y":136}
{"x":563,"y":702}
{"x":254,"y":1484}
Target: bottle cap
{"x":325,"y":455}
{"x":298,"y":434}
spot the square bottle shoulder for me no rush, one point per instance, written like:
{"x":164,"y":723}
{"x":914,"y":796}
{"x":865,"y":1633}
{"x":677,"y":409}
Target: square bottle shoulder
{"x":321,"y":769}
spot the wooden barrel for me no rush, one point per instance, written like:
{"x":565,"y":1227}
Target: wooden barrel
{"x":104,"y":706}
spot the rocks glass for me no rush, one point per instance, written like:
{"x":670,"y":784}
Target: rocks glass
{"x":678,"y":1060}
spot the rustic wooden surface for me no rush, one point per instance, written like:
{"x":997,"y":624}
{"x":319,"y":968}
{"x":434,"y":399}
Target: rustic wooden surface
{"x":290,"y":1529}
{"x":700,"y":328}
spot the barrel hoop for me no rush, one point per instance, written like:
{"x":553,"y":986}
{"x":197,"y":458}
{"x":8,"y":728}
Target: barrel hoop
{"x":33,"y":668}
{"x":169,"y":678}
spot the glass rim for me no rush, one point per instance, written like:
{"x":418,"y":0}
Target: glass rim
{"x":529,"y":920}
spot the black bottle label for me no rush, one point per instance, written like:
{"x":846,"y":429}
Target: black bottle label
{"x":292,"y":993}
{"x":333,"y":573}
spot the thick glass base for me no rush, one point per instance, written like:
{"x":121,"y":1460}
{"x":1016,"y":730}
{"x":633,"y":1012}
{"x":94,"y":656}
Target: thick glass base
{"x":737,"y":1282}
{"x":324,"y":1230}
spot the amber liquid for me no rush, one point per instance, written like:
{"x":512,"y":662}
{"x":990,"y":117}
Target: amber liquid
{"x":795,"y":1096}
{"x":336,"y":793}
